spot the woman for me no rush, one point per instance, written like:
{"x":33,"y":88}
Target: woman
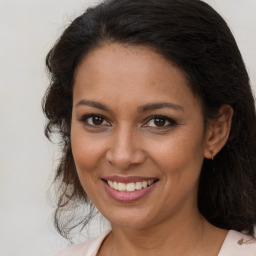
{"x":157,"y":120}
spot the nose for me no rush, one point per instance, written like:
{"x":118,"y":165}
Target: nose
{"x":125,"y":150}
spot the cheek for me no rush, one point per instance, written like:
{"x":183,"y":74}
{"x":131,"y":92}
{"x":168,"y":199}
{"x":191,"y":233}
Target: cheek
{"x":180,"y":161}
{"x":84,"y":148}
{"x":179,"y":151}
{"x":86,"y":157}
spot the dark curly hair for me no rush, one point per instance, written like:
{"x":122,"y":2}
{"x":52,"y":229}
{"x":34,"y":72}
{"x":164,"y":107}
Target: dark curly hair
{"x":193,"y":36}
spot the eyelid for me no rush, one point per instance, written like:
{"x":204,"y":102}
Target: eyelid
{"x":171,"y":121}
{"x":84,"y":119}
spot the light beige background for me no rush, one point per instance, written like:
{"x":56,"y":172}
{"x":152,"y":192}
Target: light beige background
{"x":28,"y":29}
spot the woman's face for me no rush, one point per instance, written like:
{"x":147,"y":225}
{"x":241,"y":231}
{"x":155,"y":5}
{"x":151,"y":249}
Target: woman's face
{"x":138,"y":136}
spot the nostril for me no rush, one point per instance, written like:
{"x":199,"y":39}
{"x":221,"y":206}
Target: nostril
{"x":125,"y":158}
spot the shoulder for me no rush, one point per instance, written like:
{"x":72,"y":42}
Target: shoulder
{"x":88,"y":248}
{"x":238,"y":244}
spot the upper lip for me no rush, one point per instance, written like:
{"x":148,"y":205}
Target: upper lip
{"x":128,"y":179}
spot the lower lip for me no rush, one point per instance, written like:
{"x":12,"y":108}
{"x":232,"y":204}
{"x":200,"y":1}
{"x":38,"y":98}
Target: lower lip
{"x":127,"y":197}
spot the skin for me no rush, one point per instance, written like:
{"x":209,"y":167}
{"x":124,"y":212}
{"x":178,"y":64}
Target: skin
{"x":127,"y":140}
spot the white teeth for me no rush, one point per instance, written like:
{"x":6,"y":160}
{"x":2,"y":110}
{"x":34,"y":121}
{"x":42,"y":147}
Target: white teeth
{"x":150,"y":182}
{"x":129,"y":187}
{"x":138,"y":185}
{"x":115,"y":185}
{"x":121,"y":186}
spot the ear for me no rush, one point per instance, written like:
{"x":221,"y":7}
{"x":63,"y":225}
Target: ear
{"x":217,"y":132}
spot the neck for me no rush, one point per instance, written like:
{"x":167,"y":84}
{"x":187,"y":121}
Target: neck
{"x":156,"y":239}
{"x":192,"y":236}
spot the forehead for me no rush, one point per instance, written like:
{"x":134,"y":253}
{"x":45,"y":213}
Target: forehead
{"x":117,"y":72}
{"x":114,"y":57}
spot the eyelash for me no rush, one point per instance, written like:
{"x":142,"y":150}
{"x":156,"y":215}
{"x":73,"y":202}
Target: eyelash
{"x":84,"y":119}
{"x":170,"y":122}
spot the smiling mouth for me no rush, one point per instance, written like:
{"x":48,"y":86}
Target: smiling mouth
{"x":129,"y":184}
{"x":129,"y":187}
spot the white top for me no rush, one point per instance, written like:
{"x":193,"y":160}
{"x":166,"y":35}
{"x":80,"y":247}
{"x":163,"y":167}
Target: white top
{"x":235,"y":244}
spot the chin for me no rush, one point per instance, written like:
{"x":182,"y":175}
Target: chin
{"x":133,"y":219}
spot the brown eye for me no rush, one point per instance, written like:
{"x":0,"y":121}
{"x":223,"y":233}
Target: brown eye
{"x":97,"y":120}
{"x":159,"y":122}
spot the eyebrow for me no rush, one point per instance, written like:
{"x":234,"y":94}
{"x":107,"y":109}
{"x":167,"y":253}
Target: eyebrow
{"x":154,"y":106}
{"x":93,"y":104}
{"x":145,"y":108}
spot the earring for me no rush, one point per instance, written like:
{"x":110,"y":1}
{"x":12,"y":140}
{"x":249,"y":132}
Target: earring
{"x":212,"y":154}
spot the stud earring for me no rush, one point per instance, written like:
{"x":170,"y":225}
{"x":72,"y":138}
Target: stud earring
{"x":212,"y":154}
